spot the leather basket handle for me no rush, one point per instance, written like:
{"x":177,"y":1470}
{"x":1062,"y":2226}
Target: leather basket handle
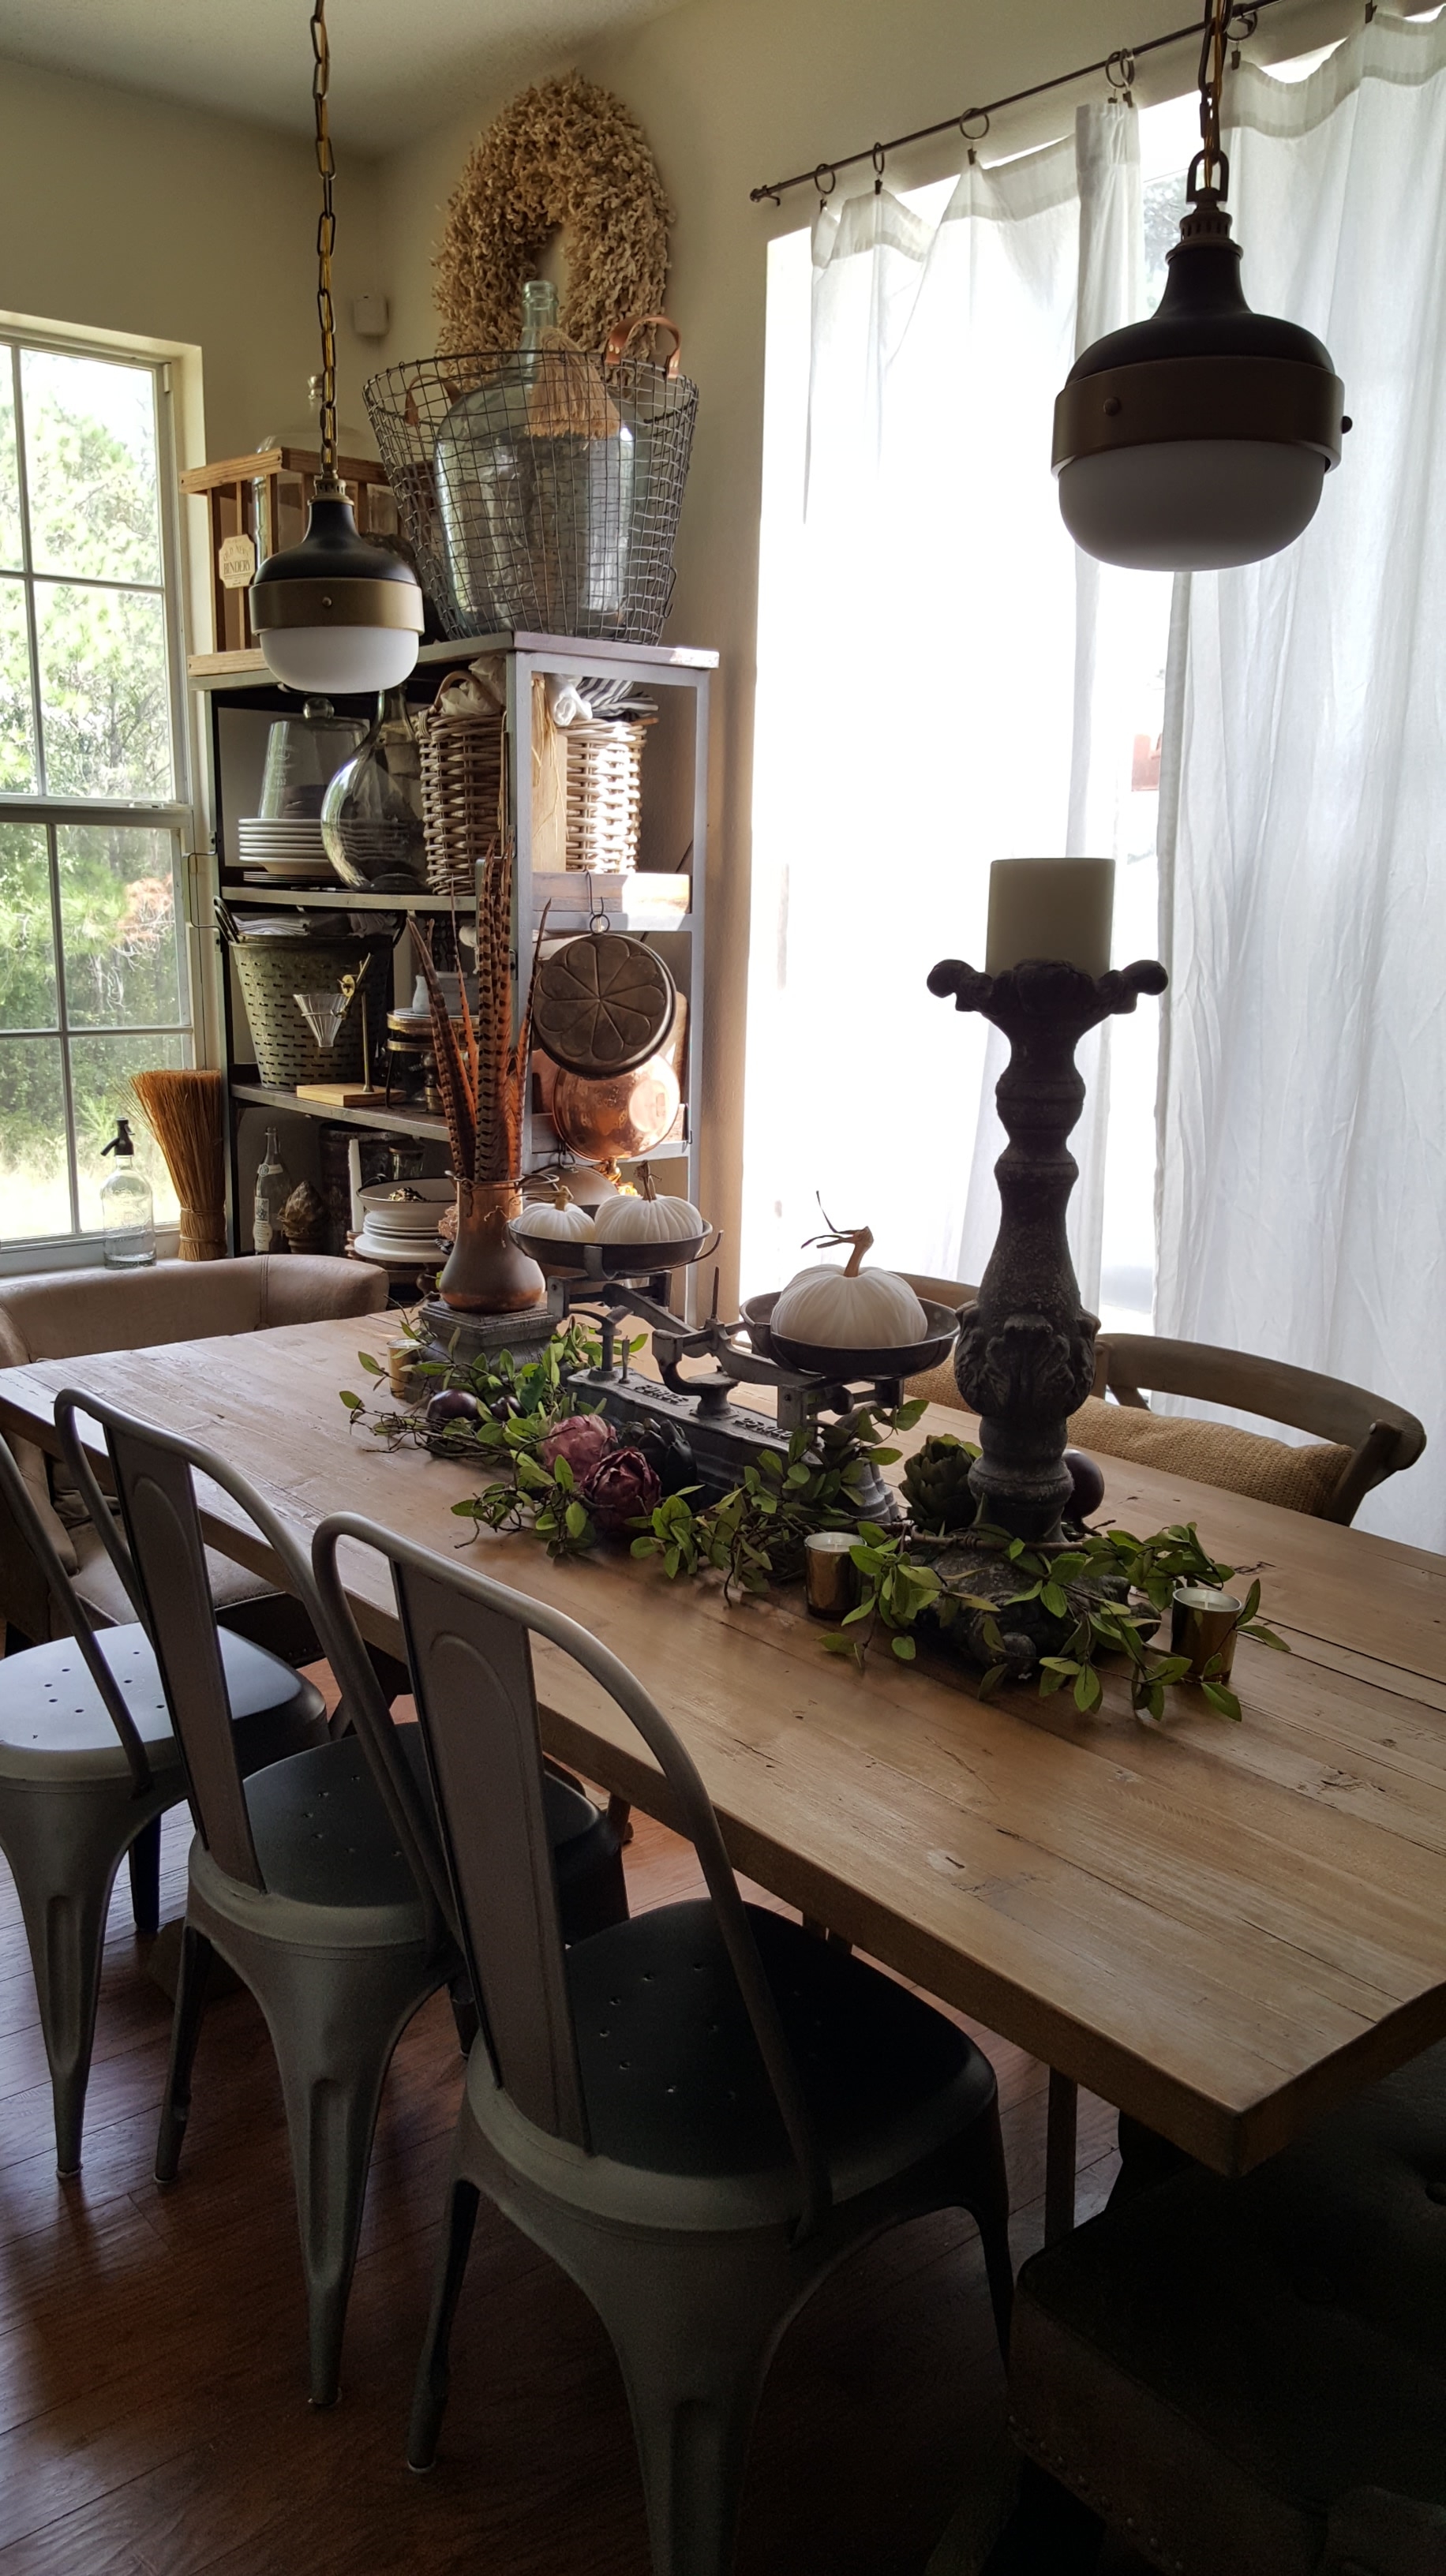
{"x":619,"y":343}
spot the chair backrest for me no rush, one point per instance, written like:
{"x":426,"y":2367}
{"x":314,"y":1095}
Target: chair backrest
{"x":468,"y":1642}
{"x":940,"y":1292}
{"x":73,"y":1615}
{"x":62,"y":1315}
{"x":154,"y":1473}
{"x":1384,"y":1437}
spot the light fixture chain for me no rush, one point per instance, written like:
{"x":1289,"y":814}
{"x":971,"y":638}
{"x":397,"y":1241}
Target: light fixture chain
{"x":325,"y":244}
{"x":1218,"y":14}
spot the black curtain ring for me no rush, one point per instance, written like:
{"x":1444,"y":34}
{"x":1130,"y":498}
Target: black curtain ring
{"x":824,"y":193}
{"x":877,"y":158}
{"x":967,"y":119}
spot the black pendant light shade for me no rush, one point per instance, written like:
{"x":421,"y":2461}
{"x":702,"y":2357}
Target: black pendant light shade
{"x":337,"y":612}
{"x":1202,"y":437}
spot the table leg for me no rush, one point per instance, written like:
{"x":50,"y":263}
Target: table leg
{"x":1059,"y":2156}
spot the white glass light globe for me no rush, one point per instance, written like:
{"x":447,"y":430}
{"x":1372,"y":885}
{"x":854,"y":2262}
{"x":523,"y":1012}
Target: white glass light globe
{"x":347,"y":660}
{"x":1191,"y":504}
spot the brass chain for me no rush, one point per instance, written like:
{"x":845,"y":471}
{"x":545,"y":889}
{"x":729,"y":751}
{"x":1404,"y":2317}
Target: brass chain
{"x":325,"y":244}
{"x":1218,"y":14}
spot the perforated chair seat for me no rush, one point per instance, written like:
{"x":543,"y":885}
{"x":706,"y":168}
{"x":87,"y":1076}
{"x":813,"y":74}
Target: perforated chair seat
{"x":674,"y":2082}
{"x":53,"y":1722}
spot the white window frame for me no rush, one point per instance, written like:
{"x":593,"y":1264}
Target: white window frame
{"x":174,"y":370}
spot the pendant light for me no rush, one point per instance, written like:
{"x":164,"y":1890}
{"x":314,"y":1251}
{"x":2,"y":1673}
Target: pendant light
{"x":335,"y":613}
{"x":1202,"y":437}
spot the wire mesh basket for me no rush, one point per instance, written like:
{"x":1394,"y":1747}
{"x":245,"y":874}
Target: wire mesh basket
{"x":540,"y":488}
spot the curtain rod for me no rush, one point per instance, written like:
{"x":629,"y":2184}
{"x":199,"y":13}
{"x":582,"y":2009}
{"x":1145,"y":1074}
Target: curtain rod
{"x":1119,"y":65}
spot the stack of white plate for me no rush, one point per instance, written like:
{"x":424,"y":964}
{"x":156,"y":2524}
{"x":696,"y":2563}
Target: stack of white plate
{"x":290,"y":851}
{"x":399,"y":1220}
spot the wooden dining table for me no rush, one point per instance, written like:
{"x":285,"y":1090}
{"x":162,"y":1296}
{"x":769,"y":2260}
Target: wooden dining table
{"x":1223,"y":1929}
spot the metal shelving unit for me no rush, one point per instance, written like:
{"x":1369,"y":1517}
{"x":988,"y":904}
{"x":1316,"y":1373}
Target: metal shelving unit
{"x":239,"y":685}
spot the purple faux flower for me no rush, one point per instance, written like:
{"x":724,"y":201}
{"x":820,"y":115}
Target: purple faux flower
{"x":582,"y":1440}
{"x":622,"y":1487}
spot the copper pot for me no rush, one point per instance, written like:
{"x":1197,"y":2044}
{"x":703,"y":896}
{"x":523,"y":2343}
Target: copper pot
{"x":619,"y":1118}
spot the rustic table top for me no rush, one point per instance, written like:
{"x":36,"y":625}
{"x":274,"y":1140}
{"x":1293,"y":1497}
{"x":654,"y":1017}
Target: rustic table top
{"x":1220,"y":1928}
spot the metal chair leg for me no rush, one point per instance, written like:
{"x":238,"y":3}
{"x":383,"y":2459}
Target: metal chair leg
{"x":145,"y":1870}
{"x":434,"y":2374}
{"x":191,"y":1986}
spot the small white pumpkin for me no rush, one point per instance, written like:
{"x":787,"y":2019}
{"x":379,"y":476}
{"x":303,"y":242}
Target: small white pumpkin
{"x":647,"y":1218}
{"x":850,"y":1309}
{"x":556,"y":1220}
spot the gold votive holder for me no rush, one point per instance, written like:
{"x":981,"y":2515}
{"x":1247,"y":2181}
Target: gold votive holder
{"x":406,"y":1384}
{"x":830,"y":1576}
{"x":1203,"y":1623}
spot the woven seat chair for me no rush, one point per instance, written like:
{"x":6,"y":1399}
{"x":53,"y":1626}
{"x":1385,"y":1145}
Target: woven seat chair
{"x":1359,"y":1439}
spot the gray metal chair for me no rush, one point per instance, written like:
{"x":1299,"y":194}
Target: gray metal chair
{"x":313,"y":1879}
{"x":88,"y":1765}
{"x":698,"y":2113}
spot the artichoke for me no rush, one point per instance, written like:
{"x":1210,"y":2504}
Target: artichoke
{"x":667,"y":1449}
{"x":622,"y":1487}
{"x":582,"y":1440}
{"x":936,"y":1484}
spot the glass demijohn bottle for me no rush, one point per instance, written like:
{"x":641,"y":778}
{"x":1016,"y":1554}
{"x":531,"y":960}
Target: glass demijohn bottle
{"x":273,"y":1188}
{"x":127,"y":1207}
{"x":371,"y":814}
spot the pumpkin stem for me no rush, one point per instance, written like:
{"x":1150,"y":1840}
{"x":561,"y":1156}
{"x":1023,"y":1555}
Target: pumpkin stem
{"x":649,"y":1186}
{"x":561,"y":1194}
{"x":861,"y":1238}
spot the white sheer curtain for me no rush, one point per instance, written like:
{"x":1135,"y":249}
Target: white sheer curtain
{"x":1303,"y":1158}
{"x":931,"y":692}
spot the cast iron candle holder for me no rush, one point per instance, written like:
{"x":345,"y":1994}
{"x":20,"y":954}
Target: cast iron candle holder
{"x":1025,"y":1356}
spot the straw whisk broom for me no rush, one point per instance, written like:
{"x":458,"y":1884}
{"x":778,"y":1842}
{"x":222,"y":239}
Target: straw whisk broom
{"x":185,"y":1113}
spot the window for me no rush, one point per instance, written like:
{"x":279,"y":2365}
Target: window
{"x":93,"y":971}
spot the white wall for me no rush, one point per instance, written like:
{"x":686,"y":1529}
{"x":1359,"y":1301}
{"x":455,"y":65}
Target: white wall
{"x":125,"y":213}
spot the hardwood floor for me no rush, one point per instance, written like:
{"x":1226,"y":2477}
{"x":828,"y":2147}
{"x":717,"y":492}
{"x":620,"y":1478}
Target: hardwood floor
{"x":153,"y":2419}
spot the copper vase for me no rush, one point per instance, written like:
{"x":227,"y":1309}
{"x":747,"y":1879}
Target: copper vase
{"x":485,"y":1272}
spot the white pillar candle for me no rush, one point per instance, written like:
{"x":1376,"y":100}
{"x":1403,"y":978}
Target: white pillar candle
{"x":1050,"y":908}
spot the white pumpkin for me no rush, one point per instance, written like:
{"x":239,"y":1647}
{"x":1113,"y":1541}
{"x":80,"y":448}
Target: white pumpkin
{"x":640,"y":1220}
{"x":850,"y":1309}
{"x":556,"y":1220}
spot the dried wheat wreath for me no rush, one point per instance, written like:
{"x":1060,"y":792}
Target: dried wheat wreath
{"x":569,"y":154}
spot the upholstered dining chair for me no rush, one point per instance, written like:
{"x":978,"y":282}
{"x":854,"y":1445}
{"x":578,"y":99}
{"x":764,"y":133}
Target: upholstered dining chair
{"x":1358,"y":1439}
{"x":698,"y":2113}
{"x":313,"y":1879}
{"x":72,"y":1314}
{"x":89,"y":1763}
{"x":1250,"y":2375}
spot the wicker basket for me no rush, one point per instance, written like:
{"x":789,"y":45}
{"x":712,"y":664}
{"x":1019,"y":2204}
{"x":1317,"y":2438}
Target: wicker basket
{"x":604,"y":794}
{"x":271,"y":971}
{"x":464,"y":794}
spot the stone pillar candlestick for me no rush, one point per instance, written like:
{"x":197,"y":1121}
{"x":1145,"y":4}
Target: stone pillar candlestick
{"x":1026,"y":1350}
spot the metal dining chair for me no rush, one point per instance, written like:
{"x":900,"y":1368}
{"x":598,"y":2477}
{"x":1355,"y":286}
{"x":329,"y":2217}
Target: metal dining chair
{"x":698,"y":2113}
{"x":88,"y":1765}
{"x":312,"y":1879}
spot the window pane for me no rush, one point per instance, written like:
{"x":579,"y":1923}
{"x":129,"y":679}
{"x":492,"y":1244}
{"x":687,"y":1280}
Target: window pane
{"x":10,"y":551}
{"x":27,"y":944}
{"x":118,"y":925}
{"x":100,"y":1071}
{"x":104,"y":702}
{"x":17,"y":714}
{"x":90,"y":458}
{"x":34,"y":1186}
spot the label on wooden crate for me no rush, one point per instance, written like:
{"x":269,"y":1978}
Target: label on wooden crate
{"x":236,"y":562}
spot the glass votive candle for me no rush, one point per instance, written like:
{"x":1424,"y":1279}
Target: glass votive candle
{"x":406,"y":1385}
{"x":1203,"y":1622}
{"x":830,"y":1576}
